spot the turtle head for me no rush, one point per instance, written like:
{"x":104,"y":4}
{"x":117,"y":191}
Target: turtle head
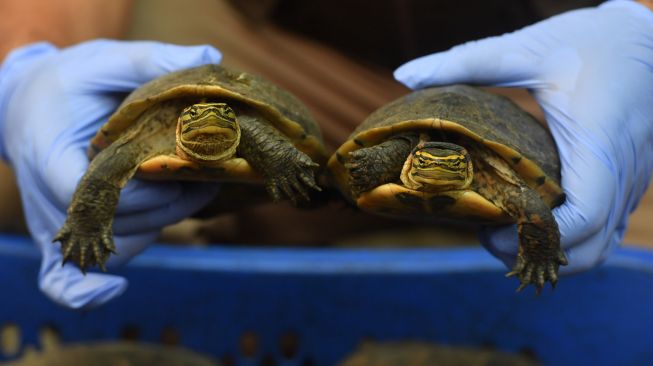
{"x":207,"y":133}
{"x":436,"y":167}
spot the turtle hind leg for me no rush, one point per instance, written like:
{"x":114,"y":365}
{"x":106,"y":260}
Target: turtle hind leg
{"x":373,"y":166}
{"x":288,"y":172}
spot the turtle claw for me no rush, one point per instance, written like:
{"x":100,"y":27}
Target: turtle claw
{"x":536,"y":274}
{"x":296,"y":185}
{"x":85,"y":247}
{"x":309,"y":179}
{"x":294,"y":180}
{"x":521,"y":287}
{"x":553,"y":274}
{"x":562,"y":258}
{"x":539,"y":279}
{"x":359,"y":171}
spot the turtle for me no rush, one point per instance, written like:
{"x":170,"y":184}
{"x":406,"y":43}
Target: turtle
{"x":459,"y":153}
{"x":421,"y":353}
{"x":112,"y":353}
{"x":209,"y":122}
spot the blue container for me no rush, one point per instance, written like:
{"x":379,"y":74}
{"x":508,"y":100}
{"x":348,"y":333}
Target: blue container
{"x":331,"y":299}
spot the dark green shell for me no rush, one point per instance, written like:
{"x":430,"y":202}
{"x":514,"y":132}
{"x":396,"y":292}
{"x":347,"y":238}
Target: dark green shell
{"x":455,"y":111}
{"x":283,"y":110}
{"x":490,"y":116}
{"x":250,"y":86}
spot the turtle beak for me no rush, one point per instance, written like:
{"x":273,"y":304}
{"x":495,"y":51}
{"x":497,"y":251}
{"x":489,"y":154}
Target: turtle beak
{"x":209,"y":129}
{"x":438,"y":167}
{"x":208,"y":132}
{"x":208,"y":121}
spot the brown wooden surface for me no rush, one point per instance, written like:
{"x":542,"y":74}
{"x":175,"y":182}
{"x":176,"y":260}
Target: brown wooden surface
{"x":640,"y":226}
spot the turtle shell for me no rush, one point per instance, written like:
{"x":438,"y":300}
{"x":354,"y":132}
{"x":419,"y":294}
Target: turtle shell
{"x":458,"y":111}
{"x":214,"y":82}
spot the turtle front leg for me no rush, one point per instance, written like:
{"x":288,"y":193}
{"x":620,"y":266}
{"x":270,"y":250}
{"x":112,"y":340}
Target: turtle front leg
{"x":86,"y":236}
{"x":288,"y":172}
{"x":539,"y":255}
{"x":373,"y":166}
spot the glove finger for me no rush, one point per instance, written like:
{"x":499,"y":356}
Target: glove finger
{"x":502,"y":61}
{"x":139,"y":195}
{"x":117,"y":66}
{"x":591,"y":252}
{"x":128,"y":246}
{"x":67,"y":286}
{"x":589,"y":179}
{"x":194,"y":196}
{"x":588,"y":206}
{"x":501,"y":241}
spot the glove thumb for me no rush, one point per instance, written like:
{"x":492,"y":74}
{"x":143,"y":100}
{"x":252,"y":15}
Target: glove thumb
{"x":500,"y":61}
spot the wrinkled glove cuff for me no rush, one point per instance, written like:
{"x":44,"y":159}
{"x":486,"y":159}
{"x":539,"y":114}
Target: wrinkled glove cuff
{"x":15,"y":64}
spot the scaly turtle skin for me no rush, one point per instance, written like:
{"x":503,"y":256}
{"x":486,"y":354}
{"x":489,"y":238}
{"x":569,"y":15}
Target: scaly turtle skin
{"x":458,"y":152}
{"x":204,"y":123}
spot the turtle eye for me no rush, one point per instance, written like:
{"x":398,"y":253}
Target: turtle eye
{"x":193,"y":113}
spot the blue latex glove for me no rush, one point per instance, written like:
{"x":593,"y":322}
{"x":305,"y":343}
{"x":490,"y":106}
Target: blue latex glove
{"x":591,"y":71}
{"x":51,"y":103}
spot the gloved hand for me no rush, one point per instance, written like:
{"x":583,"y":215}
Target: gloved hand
{"x":591,"y":71}
{"x":51,"y":104}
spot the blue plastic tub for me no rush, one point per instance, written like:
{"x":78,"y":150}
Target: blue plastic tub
{"x":331,"y":299}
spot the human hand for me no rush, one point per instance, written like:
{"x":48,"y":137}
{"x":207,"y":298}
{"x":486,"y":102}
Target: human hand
{"x":52,"y":102}
{"x":591,"y":71}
